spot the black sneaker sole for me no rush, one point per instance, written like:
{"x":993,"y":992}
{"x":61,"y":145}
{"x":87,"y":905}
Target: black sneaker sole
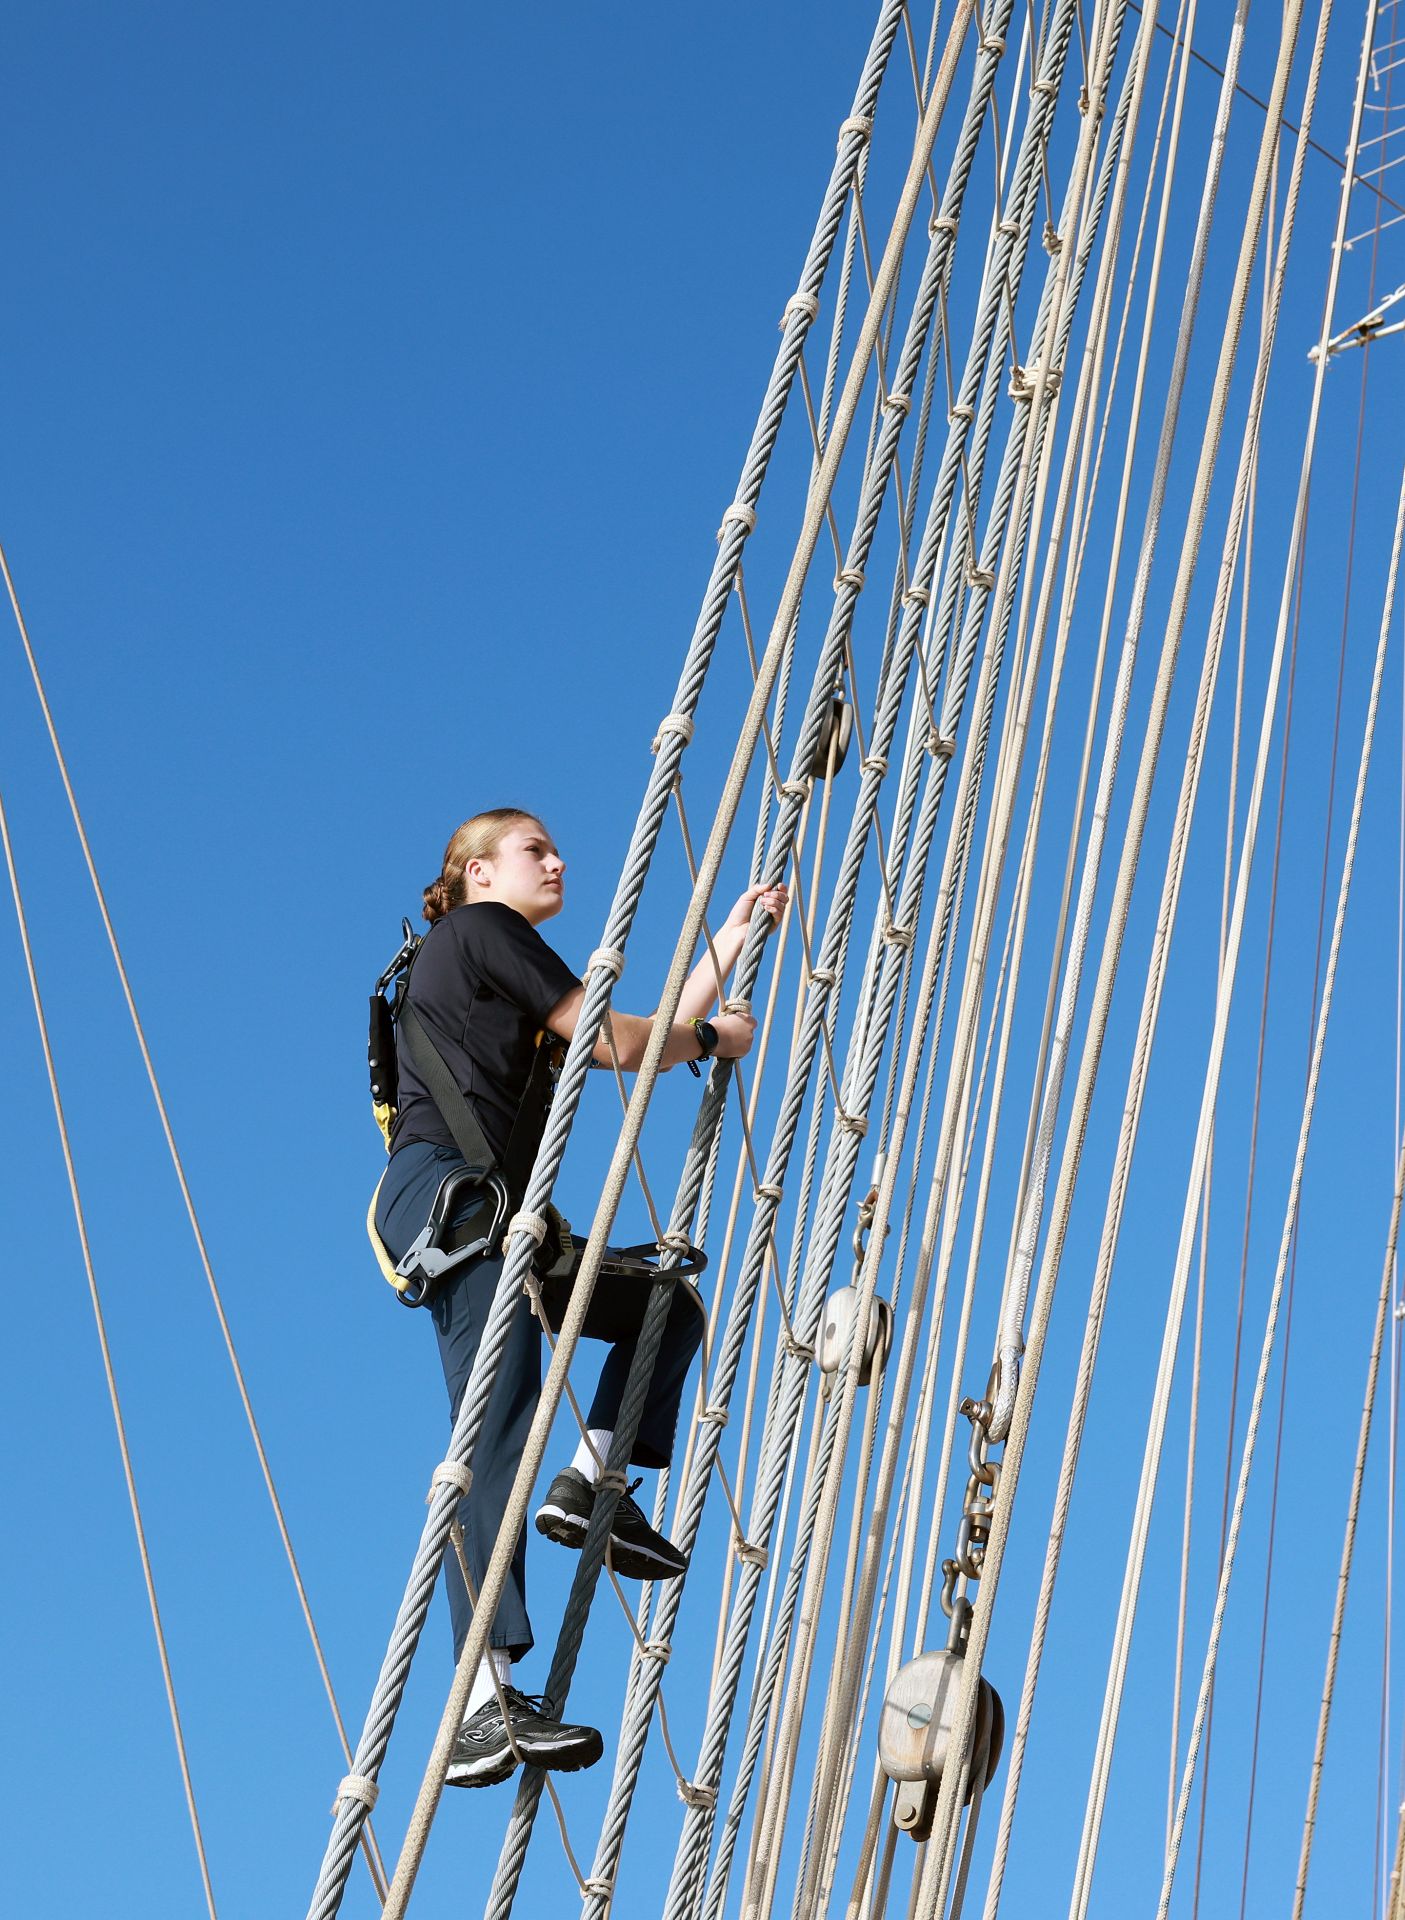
{"x":631,"y":1563}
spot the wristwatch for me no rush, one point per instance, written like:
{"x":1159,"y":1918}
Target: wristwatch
{"x":707,"y":1042}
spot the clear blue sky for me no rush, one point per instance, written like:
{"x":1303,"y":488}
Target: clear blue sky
{"x":372,"y":386}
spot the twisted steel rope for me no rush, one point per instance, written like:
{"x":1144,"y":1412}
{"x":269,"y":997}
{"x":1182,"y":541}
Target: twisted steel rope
{"x":371,"y":1747}
{"x":768,"y":1483}
{"x":641,"y":1705}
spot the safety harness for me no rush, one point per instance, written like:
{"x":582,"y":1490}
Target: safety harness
{"x":444,"y":1244}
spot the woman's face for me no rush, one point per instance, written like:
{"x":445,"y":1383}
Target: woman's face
{"x":526,"y":873}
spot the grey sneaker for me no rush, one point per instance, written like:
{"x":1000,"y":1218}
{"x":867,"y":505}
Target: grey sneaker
{"x":488,"y":1748}
{"x":636,"y":1550}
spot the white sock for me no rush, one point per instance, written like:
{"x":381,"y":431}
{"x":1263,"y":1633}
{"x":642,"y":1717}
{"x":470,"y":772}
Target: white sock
{"x":585,"y":1461}
{"x":481,"y":1692}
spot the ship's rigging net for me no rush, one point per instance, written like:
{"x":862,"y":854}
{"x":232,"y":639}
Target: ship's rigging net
{"x":1001,"y":634}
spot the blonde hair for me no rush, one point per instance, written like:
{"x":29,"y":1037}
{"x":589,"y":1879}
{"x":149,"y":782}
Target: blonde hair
{"x":477,"y":839}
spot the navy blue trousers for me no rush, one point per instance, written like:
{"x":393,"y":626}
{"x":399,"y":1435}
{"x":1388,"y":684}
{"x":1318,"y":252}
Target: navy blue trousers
{"x":460,"y":1312}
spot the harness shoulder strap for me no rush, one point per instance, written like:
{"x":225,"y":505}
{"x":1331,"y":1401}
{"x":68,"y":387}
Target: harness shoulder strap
{"x":457,"y":1115}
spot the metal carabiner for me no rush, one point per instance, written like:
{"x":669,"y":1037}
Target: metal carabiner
{"x":429,"y":1259}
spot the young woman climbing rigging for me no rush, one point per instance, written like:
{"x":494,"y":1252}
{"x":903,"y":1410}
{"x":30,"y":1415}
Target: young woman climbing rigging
{"x":484,"y":985}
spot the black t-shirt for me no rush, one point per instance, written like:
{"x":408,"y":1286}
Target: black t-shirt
{"x":482,"y":983}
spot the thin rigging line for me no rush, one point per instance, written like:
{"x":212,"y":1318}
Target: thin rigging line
{"x":372,"y":1852}
{"x":1309,"y":1102}
{"x":107,"y":1366}
{"x":1287,"y":125}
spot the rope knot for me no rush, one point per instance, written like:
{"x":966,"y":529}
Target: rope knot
{"x":898,"y":936}
{"x":754,"y":1556}
{"x":695,"y":1796}
{"x":716,"y":1416}
{"x":874,"y":763}
{"x":450,"y":1473}
{"x":797,"y":1348}
{"x":610,"y":958}
{"x":918,"y":597}
{"x":943,"y":745}
{"x":849,"y":577}
{"x":897,"y":403}
{"x":738,"y":514}
{"x":962,"y":412}
{"x":854,"y":1123}
{"x":768,"y":1190}
{"x":856,"y":123}
{"x":658,"y":1650}
{"x":532,"y":1224}
{"x":796,"y":789}
{"x":800,"y":302}
{"x":358,"y":1786}
{"x":679,"y":723}
{"x":738,"y":1005}
{"x":942,"y":223}
{"x":611,"y":1480}
{"x":822,"y":977}
{"x":605,"y":1888}
{"x":980,"y":577}
{"x":676,"y":1242}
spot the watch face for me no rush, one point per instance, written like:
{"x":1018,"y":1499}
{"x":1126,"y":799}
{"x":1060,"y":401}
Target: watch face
{"x":707,"y":1036}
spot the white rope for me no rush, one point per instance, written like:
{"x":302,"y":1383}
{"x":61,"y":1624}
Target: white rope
{"x":1132,"y":1108}
{"x":937,"y":1867}
{"x":1295,"y":1186}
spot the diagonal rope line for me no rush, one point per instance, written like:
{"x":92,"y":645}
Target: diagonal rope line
{"x":373,"y":1860}
{"x":1290,"y":1220}
{"x":109,"y":1370}
{"x":1315,"y":146}
{"x":1358,"y":1474}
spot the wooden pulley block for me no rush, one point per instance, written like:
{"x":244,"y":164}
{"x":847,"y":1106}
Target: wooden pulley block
{"x":914,"y":1735}
{"x":840,"y":1313}
{"x":839,"y":728}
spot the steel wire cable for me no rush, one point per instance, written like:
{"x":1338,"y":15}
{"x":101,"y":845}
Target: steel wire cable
{"x":839,"y":1657}
{"x":736,"y":525}
{"x":818,"y":1264}
{"x":632,"y":1739}
{"x":935,"y":1873}
{"x":1005,"y":607}
{"x":701,"y":1157}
